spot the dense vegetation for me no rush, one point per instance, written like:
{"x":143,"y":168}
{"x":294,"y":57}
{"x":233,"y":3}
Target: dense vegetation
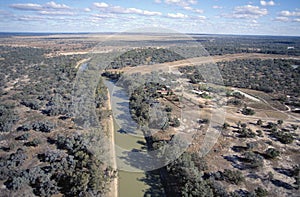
{"x":146,"y":56}
{"x":146,"y":97}
{"x":43,"y":153}
{"x":278,"y":76}
{"x":219,"y":45}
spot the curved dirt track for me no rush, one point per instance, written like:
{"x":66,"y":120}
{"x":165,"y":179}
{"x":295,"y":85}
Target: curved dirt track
{"x":202,"y":60}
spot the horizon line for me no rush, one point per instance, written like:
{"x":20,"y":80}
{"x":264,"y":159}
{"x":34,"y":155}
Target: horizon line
{"x":124,"y":32}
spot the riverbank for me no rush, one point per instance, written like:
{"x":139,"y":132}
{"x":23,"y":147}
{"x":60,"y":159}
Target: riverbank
{"x":129,"y":184}
{"x":114,"y":184}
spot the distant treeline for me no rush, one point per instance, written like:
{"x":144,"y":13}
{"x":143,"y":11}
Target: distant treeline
{"x":219,"y":45}
{"x":145,"y":56}
{"x":277,"y":76}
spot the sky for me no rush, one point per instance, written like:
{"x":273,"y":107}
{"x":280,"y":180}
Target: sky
{"x":246,"y":17}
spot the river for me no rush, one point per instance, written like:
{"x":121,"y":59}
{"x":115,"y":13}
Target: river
{"x":131,"y":184}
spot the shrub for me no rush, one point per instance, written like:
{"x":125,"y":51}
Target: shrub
{"x":248,"y":111}
{"x":204,"y":121}
{"x":32,"y":104}
{"x":272,"y":153}
{"x":259,"y":122}
{"x":285,"y":138}
{"x":25,"y":127}
{"x":225,"y":125}
{"x":279,"y":122}
{"x":271,"y":125}
{"x":295,"y":127}
{"x":260,"y":192}
{"x":176,"y":122}
{"x":168,"y":109}
{"x":35,"y":142}
{"x":251,"y":145}
{"x":15,"y":183}
{"x":246,"y":133}
{"x":24,"y":136}
{"x":232,"y":176}
{"x":252,"y":159}
{"x":259,"y":133}
{"x":44,"y":126}
{"x":7,"y":118}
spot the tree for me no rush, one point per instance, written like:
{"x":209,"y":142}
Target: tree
{"x":165,"y":125}
{"x":31,"y":103}
{"x":7,"y":118}
{"x":283,"y":137}
{"x":35,"y":142}
{"x":243,"y":125}
{"x":176,"y":122}
{"x":43,"y":126}
{"x":248,"y":111}
{"x":279,"y":122}
{"x":232,"y":176}
{"x":225,"y":125}
{"x":259,"y":122}
{"x":270,"y":176}
{"x":246,"y":133}
{"x":16,"y":183}
{"x":260,"y":192}
{"x":295,"y":127}
{"x":295,"y":172}
{"x":259,"y":133}
{"x":272,"y":153}
{"x":169,"y":109}
{"x":253,"y":160}
{"x":24,"y":136}
{"x":238,"y":124}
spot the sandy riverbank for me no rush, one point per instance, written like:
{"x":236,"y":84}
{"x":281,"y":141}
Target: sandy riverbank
{"x":114,"y":184}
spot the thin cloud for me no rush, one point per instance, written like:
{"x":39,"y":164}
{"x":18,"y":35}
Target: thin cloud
{"x":286,"y":16}
{"x":282,"y":19}
{"x":27,"y":6}
{"x":217,"y":7}
{"x":289,"y":13}
{"x":54,"y":5}
{"x":189,"y":8}
{"x":248,"y":11}
{"x":202,"y":18}
{"x":66,"y":13}
{"x":37,"y":7}
{"x":101,"y":5}
{"x":121,"y":10}
{"x":267,"y":3}
{"x":199,"y":11}
{"x":87,"y":9}
{"x":31,"y":18}
{"x":102,"y":16}
{"x":176,"y":15}
{"x":297,"y":20}
{"x":182,"y":3}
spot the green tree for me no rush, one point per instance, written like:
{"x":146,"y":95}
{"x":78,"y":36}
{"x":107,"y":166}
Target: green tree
{"x":279,"y":122}
{"x":225,"y":125}
{"x":272,"y":153}
{"x":259,"y":122}
{"x":260,"y":192}
{"x":176,"y":122}
{"x":235,"y":177}
{"x":7,"y":118}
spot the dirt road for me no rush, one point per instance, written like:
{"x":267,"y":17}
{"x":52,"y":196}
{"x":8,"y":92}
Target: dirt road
{"x":201,"y":60}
